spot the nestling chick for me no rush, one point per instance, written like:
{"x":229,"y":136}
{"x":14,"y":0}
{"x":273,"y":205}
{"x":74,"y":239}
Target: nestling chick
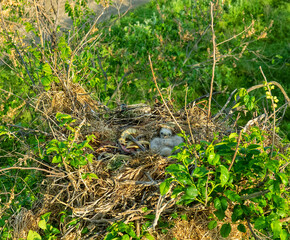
{"x":165,"y":133}
{"x":165,"y":144}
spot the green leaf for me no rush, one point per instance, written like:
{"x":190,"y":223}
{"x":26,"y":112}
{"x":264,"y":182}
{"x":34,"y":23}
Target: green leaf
{"x":57,"y":159}
{"x":52,"y":149}
{"x":42,"y":224}
{"x":131,"y":232}
{"x":191,"y":192}
{"x":175,"y":168}
{"x":275,"y":187}
{"x":149,"y":236}
{"x":237,"y":105}
{"x":246,"y":99}
{"x":89,"y":175}
{"x":217,"y":203}
{"x":284,"y":235}
{"x":176,"y":191}
{"x":250,"y":105}
{"x":220,"y":214}
{"x":232,"y":196}
{"x":93,"y":69}
{"x":32,"y":235}
{"x":55,"y":231}
{"x":260,"y":223}
{"x":183,"y":178}
{"x":184,"y":217}
{"x":237,"y":213}
{"x":233,"y":136}
{"x":226,"y":230}
{"x":213,"y":159}
{"x":224,"y":203}
{"x":283,"y":178}
{"x":224,"y":177}
{"x":46,"y":216}
{"x":164,"y":187}
{"x":28,"y":26}
{"x":199,"y":172}
{"x":109,"y":236}
{"x":212,"y":224}
{"x":210,"y":157}
{"x":242,"y":228}
{"x":73,"y":222}
{"x":276,"y":228}
{"x":125,"y":237}
{"x":242,"y":92}
{"x":45,"y":81}
{"x":46,"y":68}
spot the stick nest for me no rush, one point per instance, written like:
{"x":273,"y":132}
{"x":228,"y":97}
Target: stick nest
{"x":127,"y":183}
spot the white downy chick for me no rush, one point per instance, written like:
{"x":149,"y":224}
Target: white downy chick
{"x":173,"y":141}
{"x":165,"y":143}
{"x":165,"y":133}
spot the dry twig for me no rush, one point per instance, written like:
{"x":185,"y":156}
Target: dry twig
{"x":214,"y":59}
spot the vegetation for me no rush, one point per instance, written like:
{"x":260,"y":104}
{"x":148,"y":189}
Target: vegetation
{"x":60,"y":91}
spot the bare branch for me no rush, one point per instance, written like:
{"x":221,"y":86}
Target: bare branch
{"x":214,"y":60}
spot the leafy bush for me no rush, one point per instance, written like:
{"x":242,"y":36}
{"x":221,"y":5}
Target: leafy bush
{"x":70,"y":152}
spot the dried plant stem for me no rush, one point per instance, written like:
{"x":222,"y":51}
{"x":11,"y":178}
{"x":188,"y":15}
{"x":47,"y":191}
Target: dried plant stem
{"x":214,"y":60}
{"x":235,"y":36}
{"x":39,"y":27}
{"x":237,"y":148}
{"x":32,"y":168}
{"x":160,"y":209}
{"x":154,"y":79}
{"x":187,"y":117}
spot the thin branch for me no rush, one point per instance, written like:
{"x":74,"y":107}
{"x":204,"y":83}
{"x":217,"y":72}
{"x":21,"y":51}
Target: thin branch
{"x":224,"y":107}
{"x":39,"y":27}
{"x":237,"y":148}
{"x":246,"y":29}
{"x":105,"y":73}
{"x":30,"y":130}
{"x":205,"y":96}
{"x":154,"y":79}
{"x":258,"y":194}
{"x":118,"y":86}
{"x":19,"y":54}
{"x":252,"y":231}
{"x":160,"y":209}
{"x":32,"y":168}
{"x":187,"y":117}
{"x":214,"y":60}
{"x":82,"y":41}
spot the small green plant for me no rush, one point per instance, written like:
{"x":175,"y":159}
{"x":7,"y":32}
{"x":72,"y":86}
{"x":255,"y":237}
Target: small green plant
{"x":231,"y":173}
{"x":69,"y":151}
{"x":245,"y":100}
{"x":123,"y":231}
{"x":50,"y":232}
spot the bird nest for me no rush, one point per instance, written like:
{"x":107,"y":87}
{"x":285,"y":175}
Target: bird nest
{"x":125,"y":184}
